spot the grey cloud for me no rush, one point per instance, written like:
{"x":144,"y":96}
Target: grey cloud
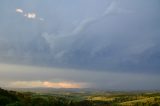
{"x":103,"y":80}
{"x":103,"y":35}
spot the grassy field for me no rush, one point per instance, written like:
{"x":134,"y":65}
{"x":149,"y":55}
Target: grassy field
{"x":77,"y":97}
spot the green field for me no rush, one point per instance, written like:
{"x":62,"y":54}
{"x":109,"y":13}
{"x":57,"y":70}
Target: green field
{"x":77,"y":97}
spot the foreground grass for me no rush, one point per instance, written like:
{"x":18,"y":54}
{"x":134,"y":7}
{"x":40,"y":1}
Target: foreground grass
{"x":148,"y":100}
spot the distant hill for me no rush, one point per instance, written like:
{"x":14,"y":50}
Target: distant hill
{"x":19,"y":98}
{"x":77,"y":97}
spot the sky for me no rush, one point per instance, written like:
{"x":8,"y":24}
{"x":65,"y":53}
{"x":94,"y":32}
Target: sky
{"x":104,"y":44}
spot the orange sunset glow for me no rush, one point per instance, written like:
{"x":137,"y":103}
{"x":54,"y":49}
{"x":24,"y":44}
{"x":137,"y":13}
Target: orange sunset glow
{"x":47,"y":84}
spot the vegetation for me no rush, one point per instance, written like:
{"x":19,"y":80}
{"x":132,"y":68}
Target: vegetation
{"x":14,"y":98}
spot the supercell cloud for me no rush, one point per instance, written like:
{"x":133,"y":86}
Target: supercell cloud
{"x":108,"y":36}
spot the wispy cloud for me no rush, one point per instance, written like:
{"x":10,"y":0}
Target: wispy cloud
{"x":65,"y":40}
{"x":18,"y":10}
{"x":41,"y":19}
{"x":80,"y":27}
{"x":90,"y":20}
{"x":29,"y":15}
{"x":114,"y":8}
{"x":110,"y":9}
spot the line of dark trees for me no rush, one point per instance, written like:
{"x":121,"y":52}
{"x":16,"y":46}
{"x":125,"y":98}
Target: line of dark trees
{"x":12,"y":98}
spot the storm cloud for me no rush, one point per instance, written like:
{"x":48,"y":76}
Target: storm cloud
{"x":110,"y":36}
{"x":29,"y":76}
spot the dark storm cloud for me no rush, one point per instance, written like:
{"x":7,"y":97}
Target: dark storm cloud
{"x":107,"y":35}
{"x":29,"y":76}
